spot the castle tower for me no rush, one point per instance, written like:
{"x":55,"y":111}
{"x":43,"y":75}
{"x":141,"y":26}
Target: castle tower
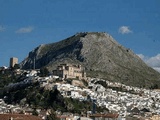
{"x":13,"y":61}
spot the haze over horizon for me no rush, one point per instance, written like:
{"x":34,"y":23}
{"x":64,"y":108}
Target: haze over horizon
{"x":25,"y":25}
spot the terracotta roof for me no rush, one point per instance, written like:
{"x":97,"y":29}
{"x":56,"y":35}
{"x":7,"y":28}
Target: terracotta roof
{"x":18,"y":117}
{"x":109,"y":115}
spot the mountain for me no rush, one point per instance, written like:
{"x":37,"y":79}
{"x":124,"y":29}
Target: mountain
{"x":101,"y":56}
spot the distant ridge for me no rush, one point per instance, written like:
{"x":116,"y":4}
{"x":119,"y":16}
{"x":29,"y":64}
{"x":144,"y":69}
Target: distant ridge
{"x":100,"y":54}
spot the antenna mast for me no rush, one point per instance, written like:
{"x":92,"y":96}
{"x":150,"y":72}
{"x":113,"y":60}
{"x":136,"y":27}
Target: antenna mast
{"x":34,"y":64}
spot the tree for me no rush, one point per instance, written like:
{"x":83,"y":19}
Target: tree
{"x":16,"y":66}
{"x":44,"y":72}
{"x":52,"y":115}
{"x":35,"y":112}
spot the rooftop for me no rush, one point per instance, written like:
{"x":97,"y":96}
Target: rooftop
{"x":18,"y":117}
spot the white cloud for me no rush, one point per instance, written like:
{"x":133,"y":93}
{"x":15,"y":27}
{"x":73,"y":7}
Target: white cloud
{"x":157,"y":68}
{"x":141,"y":56}
{"x":2,"y":28}
{"x":153,"y":62}
{"x":25,"y":29}
{"x":124,"y":30}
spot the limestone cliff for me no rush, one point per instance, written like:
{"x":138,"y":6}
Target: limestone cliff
{"x":100,"y":54}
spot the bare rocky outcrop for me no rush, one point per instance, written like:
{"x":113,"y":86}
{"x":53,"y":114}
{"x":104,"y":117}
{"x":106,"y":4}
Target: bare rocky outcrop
{"x":101,"y":56}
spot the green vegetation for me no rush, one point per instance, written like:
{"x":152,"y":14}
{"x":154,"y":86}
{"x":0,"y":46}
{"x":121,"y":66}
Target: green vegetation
{"x":85,"y":82}
{"x":37,"y":97}
{"x":43,"y":72}
{"x":52,"y":115}
{"x":69,"y":81}
{"x":75,"y":106}
{"x":16,"y":66}
{"x":103,"y":83}
{"x":8,"y":76}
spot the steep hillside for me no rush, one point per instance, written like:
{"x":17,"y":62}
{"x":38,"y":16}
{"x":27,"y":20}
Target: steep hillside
{"x":100,"y":54}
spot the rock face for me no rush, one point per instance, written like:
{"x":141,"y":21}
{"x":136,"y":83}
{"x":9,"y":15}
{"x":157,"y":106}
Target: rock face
{"x":100,"y":54}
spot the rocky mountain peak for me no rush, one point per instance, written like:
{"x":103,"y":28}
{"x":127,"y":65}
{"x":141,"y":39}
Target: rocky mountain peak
{"x":99,"y":53}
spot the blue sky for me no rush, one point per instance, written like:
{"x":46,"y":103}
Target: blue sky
{"x":25,"y":24}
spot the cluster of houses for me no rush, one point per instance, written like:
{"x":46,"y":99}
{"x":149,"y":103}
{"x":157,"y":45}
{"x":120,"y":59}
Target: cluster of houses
{"x":140,"y":103}
{"x":16,"y":112}
{"x":6,"y":108}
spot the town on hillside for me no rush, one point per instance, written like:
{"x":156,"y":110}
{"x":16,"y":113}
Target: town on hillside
{"x":67,"y":93}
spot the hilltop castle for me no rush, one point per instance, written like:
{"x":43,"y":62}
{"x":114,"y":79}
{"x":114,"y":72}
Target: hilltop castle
{"x":70,"y":71}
